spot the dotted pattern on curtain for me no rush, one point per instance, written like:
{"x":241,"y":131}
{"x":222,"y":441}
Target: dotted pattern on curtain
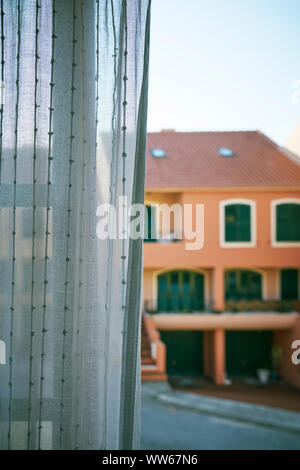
{"x":2,"y":82}
{"x":47,"y":232}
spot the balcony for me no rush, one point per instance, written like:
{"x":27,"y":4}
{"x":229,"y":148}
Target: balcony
{"x":226,"y":321}
{"x":232,"y":306}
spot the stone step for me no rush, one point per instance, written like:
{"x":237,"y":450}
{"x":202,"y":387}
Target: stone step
{"x":148,"y":360}
{"x":153,"y":376}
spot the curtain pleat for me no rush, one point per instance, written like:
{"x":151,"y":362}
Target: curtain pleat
{"x":72,"y":138}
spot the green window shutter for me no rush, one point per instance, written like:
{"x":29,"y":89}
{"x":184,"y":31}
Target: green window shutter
{"x":230,"y":223}
{"x":238,"y":223}
{"x":163,"y":296}
{"x":255,"y":286}
{"x":198,"y":292}
{"x":288,"y":223}
{"x":186,"y":290}
{"x":175,"y":295}
{"x":243,"y":285}
{"x":150,"y":218}
{"x":231,"y":285}
{"x":289,"y":284}
{"x":180,"y":290}
{"x":244,"y":223}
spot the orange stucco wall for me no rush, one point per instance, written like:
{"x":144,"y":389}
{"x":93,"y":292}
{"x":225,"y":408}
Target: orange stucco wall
{"x":214,"y":355}
{"x":158,"y":255}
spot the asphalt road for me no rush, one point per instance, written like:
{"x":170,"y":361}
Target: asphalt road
{"x":169,"y":427}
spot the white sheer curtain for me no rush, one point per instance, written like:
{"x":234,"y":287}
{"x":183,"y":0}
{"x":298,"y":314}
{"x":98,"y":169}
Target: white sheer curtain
{"x":72,"y":136}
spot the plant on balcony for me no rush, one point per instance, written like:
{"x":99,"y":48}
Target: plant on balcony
{"x":280,"y":306}
{"x":151,"y":311}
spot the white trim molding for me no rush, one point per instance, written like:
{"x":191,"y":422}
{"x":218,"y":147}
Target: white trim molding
{"x":228,"y":202}
{"x":274,"y":204}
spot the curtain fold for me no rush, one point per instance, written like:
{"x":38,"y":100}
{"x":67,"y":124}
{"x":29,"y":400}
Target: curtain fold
{"x":72,"y":142}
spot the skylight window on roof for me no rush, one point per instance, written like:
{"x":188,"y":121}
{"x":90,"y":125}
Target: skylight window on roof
{"x":225,"y":152}
{"x":158,"y":153}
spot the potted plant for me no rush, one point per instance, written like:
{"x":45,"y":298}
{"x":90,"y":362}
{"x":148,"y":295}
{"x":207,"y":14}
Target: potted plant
{"x":152,"y":311}
{"x":263,"y":374}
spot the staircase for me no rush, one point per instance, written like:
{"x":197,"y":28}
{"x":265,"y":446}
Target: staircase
{"x":153,"y":352}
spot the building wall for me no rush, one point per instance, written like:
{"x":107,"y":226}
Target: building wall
{"x":158,"y":255}
{"x":213,"y":259}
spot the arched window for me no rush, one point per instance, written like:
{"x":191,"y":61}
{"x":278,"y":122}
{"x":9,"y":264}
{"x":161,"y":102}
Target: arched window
{"x":286,"y":222}
{"x":237,"y":220}
{"x":241,"y":284}
{"x":180,"y":290}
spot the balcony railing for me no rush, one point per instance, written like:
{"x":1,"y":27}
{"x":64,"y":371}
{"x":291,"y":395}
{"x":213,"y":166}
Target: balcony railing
{"x":280,"y":306}
{"x":232,"y":306}
{"x":152,"y":308}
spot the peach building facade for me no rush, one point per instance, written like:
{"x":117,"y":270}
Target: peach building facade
{"x":246,"y":277}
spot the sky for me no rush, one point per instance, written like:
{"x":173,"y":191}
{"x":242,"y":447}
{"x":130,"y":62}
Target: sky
{"x":225,"y":65}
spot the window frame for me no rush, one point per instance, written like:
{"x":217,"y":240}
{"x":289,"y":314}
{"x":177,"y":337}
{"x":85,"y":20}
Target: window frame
{"x":228,"y":202}
{"x":274,"y":204}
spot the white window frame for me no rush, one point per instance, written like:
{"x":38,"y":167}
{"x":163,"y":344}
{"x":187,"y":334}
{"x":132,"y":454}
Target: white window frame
{"x":228,"y":202}
{"x":274,"y":204}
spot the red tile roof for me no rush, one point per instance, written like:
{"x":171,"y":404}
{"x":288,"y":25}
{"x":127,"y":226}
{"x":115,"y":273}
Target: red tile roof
{"x":192,"y":160}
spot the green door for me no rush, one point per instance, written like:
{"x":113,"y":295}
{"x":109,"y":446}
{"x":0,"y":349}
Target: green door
{"x":289,"y":284}
{"x":243,"y":285}
{"x":247,"y":351}
{"x":184,"y":352}
{"x":180,"y":291}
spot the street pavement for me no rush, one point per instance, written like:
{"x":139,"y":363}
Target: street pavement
{"x":166,"y":426}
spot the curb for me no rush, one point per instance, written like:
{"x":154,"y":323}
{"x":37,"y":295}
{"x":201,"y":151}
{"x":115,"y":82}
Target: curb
{"x":261,"y":415}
